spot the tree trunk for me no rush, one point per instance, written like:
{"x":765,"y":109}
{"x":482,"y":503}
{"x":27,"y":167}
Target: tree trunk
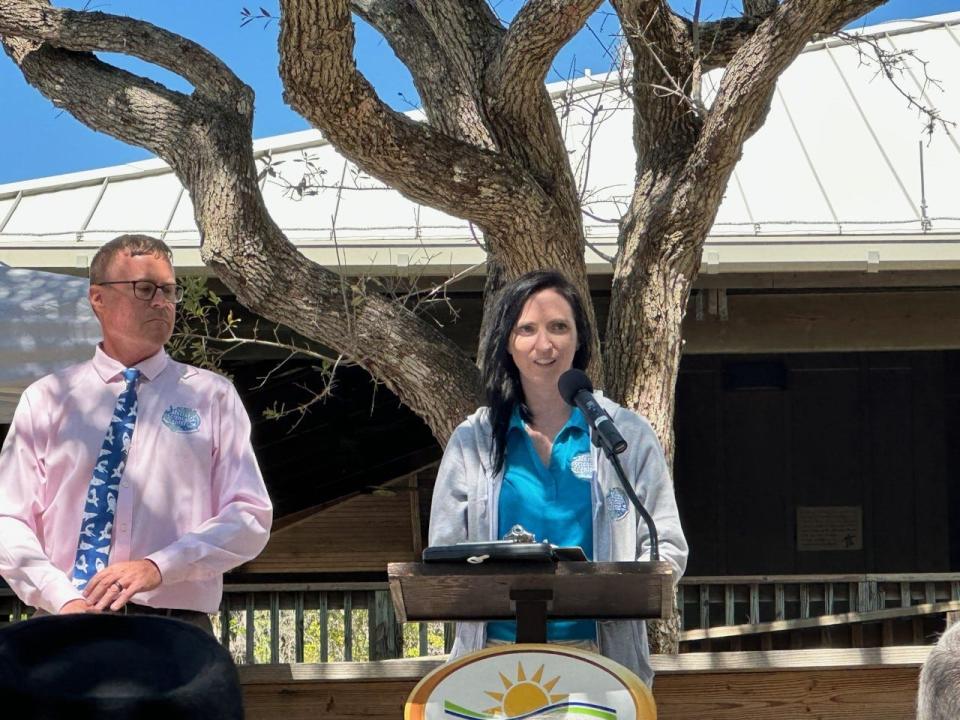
{"x":644,"y":343}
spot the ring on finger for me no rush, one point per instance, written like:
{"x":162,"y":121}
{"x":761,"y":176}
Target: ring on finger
{"x":118,"y":586}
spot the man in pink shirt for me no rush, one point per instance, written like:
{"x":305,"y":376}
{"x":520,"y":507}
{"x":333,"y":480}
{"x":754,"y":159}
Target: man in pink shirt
{"x":187,"y":501}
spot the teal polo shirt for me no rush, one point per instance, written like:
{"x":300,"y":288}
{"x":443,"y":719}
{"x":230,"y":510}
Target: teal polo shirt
{"x":553,"y":503}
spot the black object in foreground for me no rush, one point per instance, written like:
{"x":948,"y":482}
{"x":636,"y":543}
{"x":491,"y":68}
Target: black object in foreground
{"x":115,"y":667}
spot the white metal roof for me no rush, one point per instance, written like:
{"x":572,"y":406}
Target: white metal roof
{"x":832,"y":181}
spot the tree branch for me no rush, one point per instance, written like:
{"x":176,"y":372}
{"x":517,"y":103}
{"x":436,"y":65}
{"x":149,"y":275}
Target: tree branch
{"x":666,"y":122}
{"x":323,"y":84}
{"x":128,"y":107}
{"x":536,"y":35}
{"x":467,"y":30}
{"x":759,"y":8}
{"x":748,"y":84}
{"x":95,"y":31}
{"x":517,"y":106}
{"x":449,"y":99}
{"x":720,"y":39}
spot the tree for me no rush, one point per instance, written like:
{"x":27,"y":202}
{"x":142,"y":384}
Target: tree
{"x":490,"y":151}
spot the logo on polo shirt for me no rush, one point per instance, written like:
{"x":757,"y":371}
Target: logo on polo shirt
{"x":582,"y":466}
{"x":617,"y":504}
{"x":181,"y":419}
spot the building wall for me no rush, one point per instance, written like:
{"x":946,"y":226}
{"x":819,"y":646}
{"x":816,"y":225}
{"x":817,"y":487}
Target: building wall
{"x":360,"y":534}
{"x":760,"y":436}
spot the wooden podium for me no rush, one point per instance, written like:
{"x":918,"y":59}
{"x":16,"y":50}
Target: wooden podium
{"x":531,"y":592}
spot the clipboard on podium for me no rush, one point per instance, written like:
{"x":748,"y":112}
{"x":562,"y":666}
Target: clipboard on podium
{"x":476,"y":553}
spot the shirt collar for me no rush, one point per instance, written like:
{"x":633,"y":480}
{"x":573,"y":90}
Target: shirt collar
{"x":516,"y":422}
{"x":109,"y":369}
{"x":576,"y":420}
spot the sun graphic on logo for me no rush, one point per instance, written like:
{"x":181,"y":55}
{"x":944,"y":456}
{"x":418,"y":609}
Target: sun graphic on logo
{"x":522,"y":696}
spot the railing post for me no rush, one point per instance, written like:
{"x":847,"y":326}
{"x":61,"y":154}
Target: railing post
{"x":704,"y":606}
{"x":225,"y":621}
{"x":424,"y":648}
{"x":298,"y":627}
{"x":324,"y":627}
{"x":386,"y":636}
{"x":905,"y":595}
{"x":953,"y":617}
{"x":729,"y":600}
{"x":680,"y":607}
{"x":274,"y":627}
{"x":825,"y":634}
{"x":754,"y":603}
{"x":449,"y":635}
{"x":348,"y":626}
{"x":867,"y":596}
{"x":250,"y":634}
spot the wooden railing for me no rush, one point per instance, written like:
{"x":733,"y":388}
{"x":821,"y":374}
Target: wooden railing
{"x":324,"y":622}
{"x":321,"y":622}
{"x":306,"y":622}
{"x":732,"y":608}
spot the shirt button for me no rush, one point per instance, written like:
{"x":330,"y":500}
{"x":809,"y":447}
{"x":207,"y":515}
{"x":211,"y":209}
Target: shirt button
{"x":123,"y":527}
{"x":125,"y":484}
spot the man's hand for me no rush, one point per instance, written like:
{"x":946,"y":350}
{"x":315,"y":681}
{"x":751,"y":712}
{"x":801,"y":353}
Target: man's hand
{"x":114,"y":585}
{"x":75,"y":607}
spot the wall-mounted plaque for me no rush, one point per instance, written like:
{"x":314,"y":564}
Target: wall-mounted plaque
{"x":829,"y":528}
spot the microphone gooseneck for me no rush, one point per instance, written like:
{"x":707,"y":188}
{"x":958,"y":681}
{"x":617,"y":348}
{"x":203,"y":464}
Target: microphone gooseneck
{"x":577,"y":390}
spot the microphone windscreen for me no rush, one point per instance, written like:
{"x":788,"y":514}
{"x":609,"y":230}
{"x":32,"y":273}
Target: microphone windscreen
{"x":572,"y":382}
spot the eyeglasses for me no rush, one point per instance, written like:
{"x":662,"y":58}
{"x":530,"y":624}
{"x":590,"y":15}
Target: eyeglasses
{"x":147,"y":290}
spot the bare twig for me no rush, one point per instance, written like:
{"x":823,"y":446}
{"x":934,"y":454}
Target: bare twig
{"x":676,"y":86}
{"x":893,"y":64}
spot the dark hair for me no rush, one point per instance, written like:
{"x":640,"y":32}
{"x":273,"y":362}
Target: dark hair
{"x":498,"y":372}
{"x":133,"y":245}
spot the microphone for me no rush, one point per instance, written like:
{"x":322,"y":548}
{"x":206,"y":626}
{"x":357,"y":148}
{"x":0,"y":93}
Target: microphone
{"x":577,"y":390}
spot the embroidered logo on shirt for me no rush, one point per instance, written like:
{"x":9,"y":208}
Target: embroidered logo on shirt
{"x":617,"y":504}
{"x":181,"y":419}
{"x":582,"y":466}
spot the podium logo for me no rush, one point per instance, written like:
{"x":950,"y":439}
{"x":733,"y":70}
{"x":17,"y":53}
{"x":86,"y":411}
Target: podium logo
{"x":531,"y":682}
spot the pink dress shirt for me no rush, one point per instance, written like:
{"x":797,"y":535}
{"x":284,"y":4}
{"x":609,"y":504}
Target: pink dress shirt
{"x":191,"y":500}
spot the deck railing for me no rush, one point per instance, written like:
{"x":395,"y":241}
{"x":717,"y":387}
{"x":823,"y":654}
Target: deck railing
{"x":306,"y":622}
{"x":325,"y":622}
{"x":735,"y":607}
{"x":321,"y":622}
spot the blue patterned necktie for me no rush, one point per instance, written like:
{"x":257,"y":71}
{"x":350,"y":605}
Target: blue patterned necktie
{"x":93,"y":550}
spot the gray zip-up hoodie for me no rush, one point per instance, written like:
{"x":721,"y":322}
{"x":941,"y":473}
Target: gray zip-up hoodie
{"x":467,"y":495}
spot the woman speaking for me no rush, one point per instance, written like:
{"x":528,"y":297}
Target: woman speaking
{"x":527,"y":459}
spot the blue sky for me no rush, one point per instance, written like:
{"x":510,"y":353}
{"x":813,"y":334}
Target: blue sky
{"x":40,"y":140}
